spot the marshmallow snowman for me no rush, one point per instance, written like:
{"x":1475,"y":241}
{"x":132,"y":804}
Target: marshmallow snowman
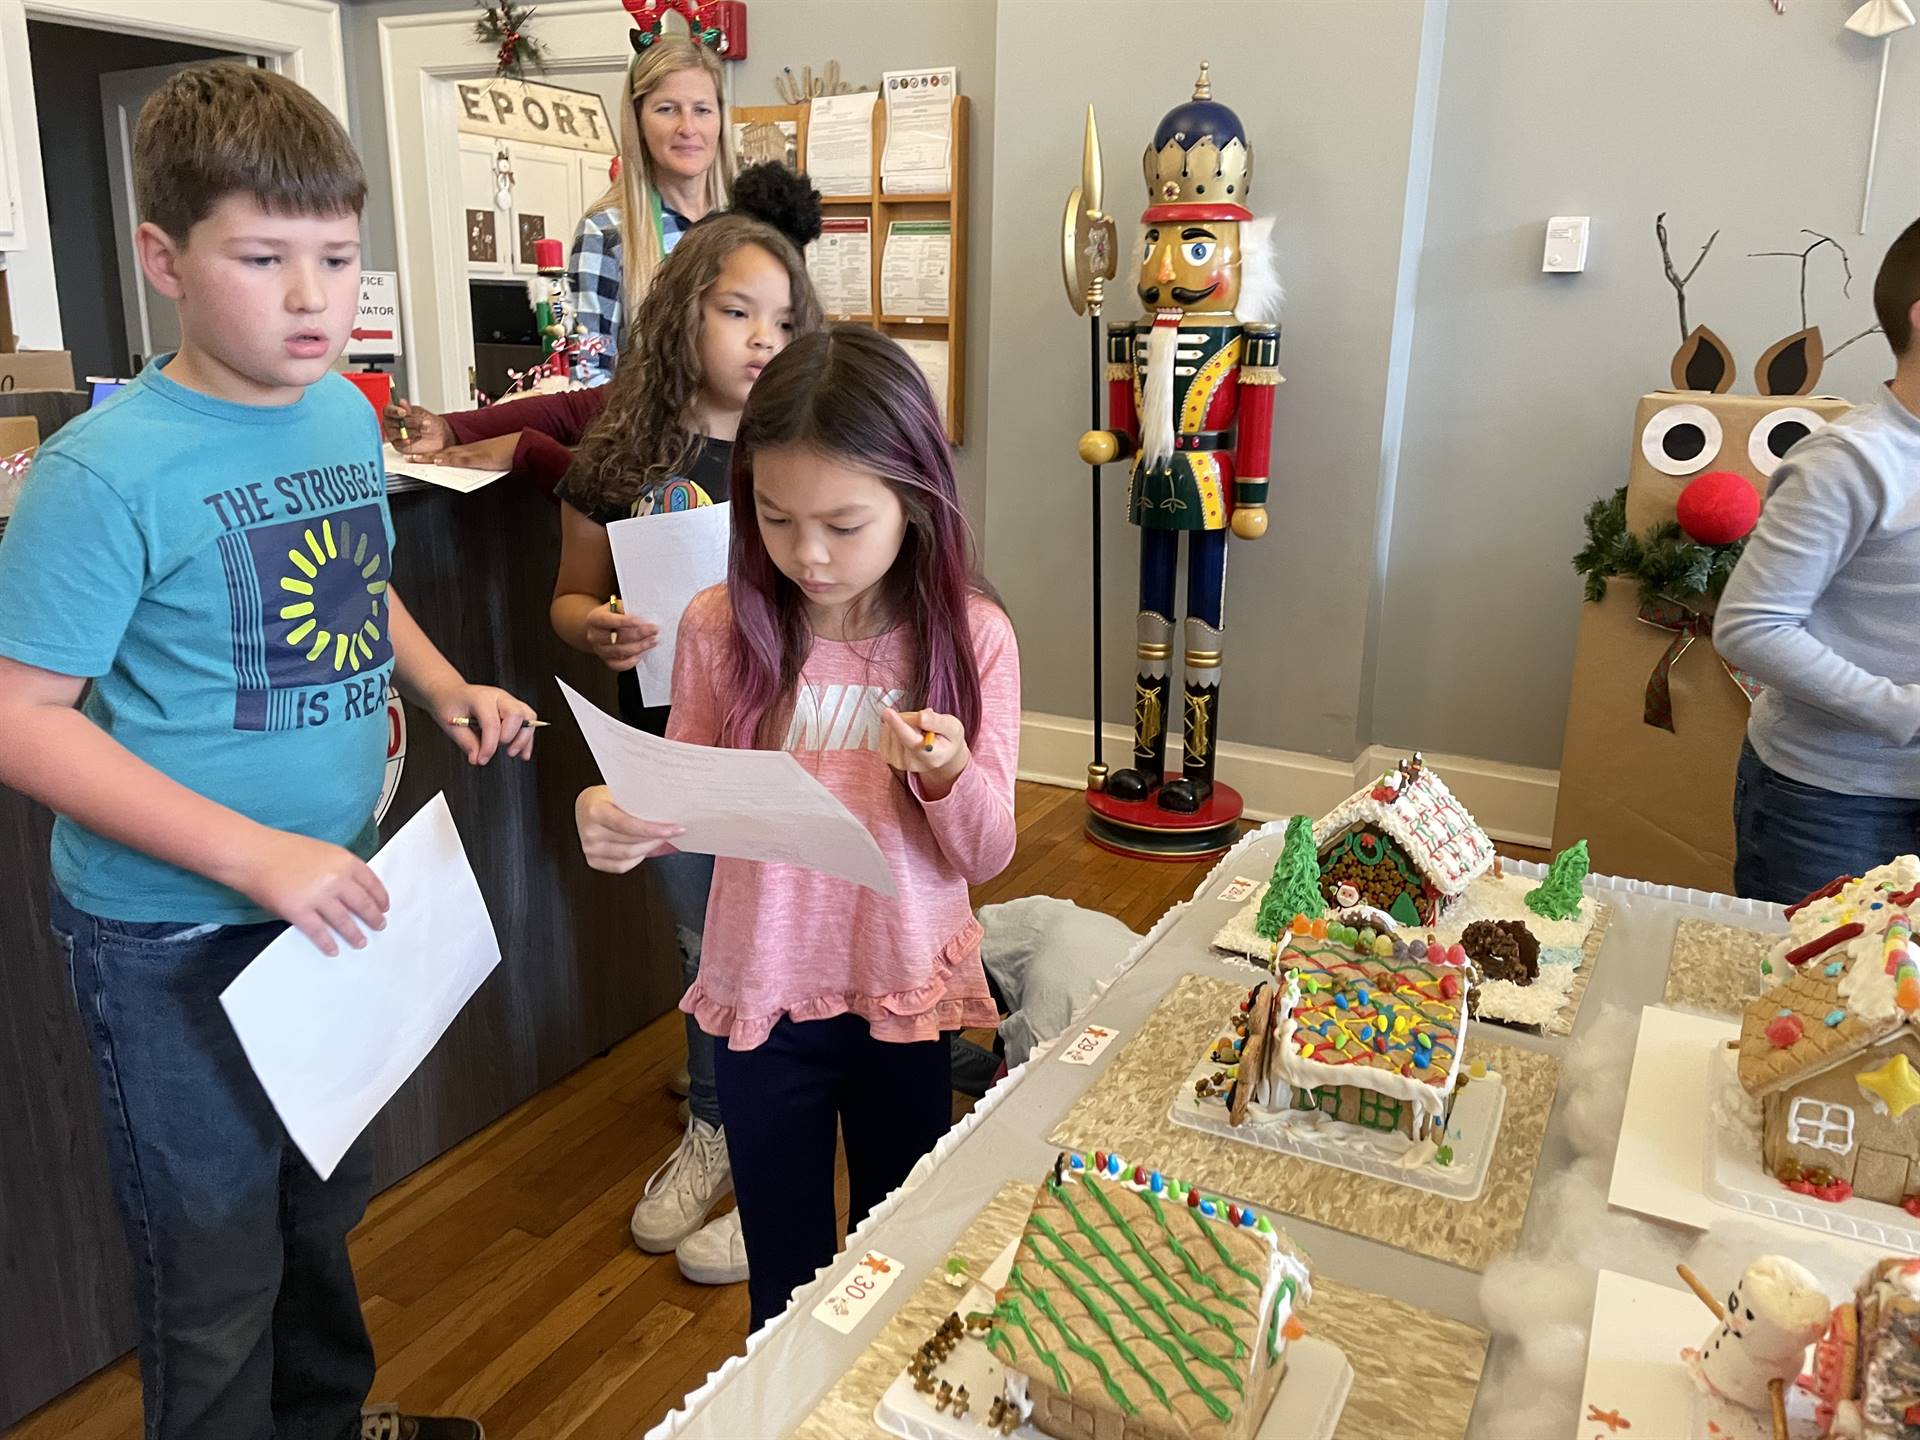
{"x":1773,"y":1314}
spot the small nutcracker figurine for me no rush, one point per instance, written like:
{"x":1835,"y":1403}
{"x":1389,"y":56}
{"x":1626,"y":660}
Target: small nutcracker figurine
{"x":1190,"y":399}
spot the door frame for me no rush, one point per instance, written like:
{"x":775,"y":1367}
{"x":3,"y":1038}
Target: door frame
{"x":299,"y":38}
{"x":423,"y":148}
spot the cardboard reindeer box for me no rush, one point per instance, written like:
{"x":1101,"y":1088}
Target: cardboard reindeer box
{"x":1655,"y":720}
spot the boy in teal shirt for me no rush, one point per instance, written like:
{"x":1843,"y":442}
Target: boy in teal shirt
{"x":212,"y":551}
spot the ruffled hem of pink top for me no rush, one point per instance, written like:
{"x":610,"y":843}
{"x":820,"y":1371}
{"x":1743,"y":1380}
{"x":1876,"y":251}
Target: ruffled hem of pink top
{"x":902,"y":1016}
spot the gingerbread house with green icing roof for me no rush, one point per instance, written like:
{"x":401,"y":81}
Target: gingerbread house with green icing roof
{"x":1404,"y":844}
{"x":1140,"y":1309}
{"x":1365,"y":1038}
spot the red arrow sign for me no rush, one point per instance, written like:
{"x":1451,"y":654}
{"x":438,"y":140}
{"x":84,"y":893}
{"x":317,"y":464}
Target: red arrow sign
{"x":371,"y":334}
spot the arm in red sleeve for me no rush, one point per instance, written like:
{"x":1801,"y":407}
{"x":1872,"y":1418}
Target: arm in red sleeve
{"x":565,"y":416}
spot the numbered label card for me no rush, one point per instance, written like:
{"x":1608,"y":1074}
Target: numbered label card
{"x":1088,"y":1044}
{"x":857,"y":1291}
{"x":1240,"y":888}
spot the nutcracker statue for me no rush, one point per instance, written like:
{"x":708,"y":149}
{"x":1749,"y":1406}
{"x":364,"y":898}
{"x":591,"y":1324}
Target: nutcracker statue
{"x":1190,"y":403}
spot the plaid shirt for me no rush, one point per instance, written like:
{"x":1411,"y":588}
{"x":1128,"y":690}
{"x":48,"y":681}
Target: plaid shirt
{"x":594,"y":269}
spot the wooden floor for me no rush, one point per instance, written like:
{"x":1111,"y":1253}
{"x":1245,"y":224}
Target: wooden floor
{"x":499,"y":1281}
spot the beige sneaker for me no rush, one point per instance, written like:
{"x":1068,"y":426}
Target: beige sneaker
{"x":714,"y":1254}
{"x":683,"y":1191}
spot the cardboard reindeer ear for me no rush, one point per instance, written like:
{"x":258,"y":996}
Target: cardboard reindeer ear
{"x":1703,"y":362}
{"x":1791,"y":366}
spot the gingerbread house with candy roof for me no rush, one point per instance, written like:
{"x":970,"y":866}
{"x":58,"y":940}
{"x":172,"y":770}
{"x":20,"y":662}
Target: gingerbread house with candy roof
{"x":1404,"y":845}
{"x":1832,"y":1049}
{"x":1366,"y":1032}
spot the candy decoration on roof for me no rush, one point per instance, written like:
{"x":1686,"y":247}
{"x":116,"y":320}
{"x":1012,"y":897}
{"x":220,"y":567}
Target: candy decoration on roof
{"x":1558,"y":896}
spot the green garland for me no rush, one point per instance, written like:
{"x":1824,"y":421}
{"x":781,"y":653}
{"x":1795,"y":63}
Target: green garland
{"x":502,"y":25}
{"x":1667,"y":564}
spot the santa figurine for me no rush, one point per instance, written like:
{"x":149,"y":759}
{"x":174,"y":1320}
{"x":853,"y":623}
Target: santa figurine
{"x":1190,"y":399}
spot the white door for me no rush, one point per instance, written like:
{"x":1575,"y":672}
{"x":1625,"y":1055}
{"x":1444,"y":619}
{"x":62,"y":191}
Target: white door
{"x":151,"y":326}
{"x":546,"y":200}
{"x":483,"y":223}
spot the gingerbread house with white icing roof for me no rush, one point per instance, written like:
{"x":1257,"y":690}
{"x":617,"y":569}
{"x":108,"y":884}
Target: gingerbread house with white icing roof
{"x":1832,"y":1049}
{"x":1404,"y":845}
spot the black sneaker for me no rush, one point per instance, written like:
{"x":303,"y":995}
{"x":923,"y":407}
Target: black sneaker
{"x":385,"y":1422}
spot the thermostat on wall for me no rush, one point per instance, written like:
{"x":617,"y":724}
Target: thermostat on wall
{"x":1566,"y":245}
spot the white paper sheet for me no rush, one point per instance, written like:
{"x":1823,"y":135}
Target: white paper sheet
{"x":840,"y":263}
{"x":918,"y":158}
{"x":663,"y":561}
{"x":1633,"y":1359}
{"x":914,"y":266}
{"x":840,"y":143}
{"x":747,"y":804}
{"x":449,"y":477}
{"x":332,"y":1039}
{"x":932,"y":358}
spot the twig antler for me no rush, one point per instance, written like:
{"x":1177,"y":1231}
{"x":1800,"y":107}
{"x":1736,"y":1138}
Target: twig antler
{"x":1678,"y":280}
{"x":1846,"y":287}
{"x":1870,"y":330}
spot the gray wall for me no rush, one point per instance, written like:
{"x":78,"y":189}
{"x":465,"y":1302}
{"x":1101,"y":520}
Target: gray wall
{"x":1523,"y":385}
{"x":1329,"y":104}
{"x":67,"y":65}
{"x":865,"y":36}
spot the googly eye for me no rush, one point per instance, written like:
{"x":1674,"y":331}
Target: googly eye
{"x":1778,"y":432}
{"x":1681,"y":439}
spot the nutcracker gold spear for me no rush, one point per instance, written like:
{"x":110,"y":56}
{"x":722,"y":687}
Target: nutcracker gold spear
{"x":1088,"y":260}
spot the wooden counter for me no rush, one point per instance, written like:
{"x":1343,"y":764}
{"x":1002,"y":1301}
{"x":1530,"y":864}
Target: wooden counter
{"x":588,"y":958}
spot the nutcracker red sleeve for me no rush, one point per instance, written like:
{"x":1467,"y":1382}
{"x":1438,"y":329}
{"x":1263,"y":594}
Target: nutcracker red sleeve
{"x":1259,"y":375}
{"x":1123,"y":421}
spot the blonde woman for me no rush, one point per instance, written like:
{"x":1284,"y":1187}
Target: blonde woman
{"x":675,"y":166}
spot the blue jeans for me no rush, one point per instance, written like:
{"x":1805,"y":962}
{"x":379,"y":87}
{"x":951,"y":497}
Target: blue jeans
{"x":1791,"y":838}
{"x":250,"y":1324}
{"x":685,"y":879}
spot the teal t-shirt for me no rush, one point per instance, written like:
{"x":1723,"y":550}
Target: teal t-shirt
{"x":219,"y":571}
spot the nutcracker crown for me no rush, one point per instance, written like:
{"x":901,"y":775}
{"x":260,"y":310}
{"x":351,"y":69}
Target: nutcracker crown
{"x":1200,"y":156}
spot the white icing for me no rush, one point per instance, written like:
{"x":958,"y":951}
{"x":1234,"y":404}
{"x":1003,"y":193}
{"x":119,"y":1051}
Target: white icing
{"x":1533,"y":1004}
{"x":1866,"y":987}
{"x":1453,"y":864}
{"x":1504,"y":897}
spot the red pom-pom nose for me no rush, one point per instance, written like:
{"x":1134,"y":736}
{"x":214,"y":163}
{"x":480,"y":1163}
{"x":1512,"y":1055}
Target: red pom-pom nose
{"x":1718,"y":508}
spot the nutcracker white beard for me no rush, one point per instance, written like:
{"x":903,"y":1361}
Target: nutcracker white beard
{"x":1156,"y":396}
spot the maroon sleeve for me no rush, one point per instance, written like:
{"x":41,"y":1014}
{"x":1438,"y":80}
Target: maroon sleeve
{"x":541,"y":459}
{"x":564,"y":416}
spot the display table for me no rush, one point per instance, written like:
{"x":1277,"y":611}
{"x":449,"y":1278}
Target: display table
{"x":791,"y":1366}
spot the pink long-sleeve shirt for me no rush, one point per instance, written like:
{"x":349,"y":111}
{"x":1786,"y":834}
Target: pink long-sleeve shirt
{"x":786,"y":940}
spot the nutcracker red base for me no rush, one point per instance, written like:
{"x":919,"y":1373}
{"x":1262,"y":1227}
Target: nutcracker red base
{"x":1140,"y":828}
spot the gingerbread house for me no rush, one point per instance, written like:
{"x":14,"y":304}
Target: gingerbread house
{"x":1404,"y":845}
{"x":1140,"y":1309}
{"x":1368,"y":1033}
{"x":1831,"y":1051}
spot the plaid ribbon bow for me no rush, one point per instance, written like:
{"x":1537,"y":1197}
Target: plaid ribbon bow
{"x":1687,"y":625}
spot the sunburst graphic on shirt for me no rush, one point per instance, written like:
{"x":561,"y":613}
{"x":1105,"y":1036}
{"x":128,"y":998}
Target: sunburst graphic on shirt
{"x":332,"y":640}
{"x":311,"y":616}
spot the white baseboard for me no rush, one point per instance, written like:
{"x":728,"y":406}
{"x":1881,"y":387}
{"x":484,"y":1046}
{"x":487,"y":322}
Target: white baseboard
{"x":1512,"y":802}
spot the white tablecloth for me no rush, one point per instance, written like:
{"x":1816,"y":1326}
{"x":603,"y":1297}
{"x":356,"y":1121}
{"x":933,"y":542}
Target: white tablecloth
{"x":791,"y":1363}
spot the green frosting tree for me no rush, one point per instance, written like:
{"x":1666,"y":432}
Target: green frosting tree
{"x":1558,"y":896}
{"x":1295,"y":887}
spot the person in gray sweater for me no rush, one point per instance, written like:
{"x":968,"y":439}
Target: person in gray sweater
{"x":1824,"y":610}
